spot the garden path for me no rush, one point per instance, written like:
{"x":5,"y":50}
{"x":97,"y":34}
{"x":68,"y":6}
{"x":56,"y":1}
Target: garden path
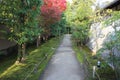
{"x":64,"y":65}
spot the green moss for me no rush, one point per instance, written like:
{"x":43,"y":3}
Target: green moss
{"x":6,"y":62}
{"x":85,"y":56}
{"x":79,"y":54}
{"x":106,"y":72}
{"x":23,"y":70}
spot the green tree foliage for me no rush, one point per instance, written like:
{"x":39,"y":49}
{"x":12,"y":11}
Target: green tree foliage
{"x":113,"y":42}
{"x":115,"y":15}
{"x":78,"y":18}
{"x":7,"y":8}
{"x":58,"y":28}
{"x":113,"y":45}
{"x":20,"y":16}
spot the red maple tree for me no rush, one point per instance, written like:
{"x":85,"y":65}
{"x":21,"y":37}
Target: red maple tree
{"x":51,"y":10}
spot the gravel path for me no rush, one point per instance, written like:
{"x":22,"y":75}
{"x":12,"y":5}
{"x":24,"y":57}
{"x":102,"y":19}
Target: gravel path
{"x":64,"y":65}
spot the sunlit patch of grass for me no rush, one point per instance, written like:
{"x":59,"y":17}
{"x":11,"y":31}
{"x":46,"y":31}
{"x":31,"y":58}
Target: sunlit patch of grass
{"x":12,"y":69}
{"x":79,"y":53}
{"x":21,"y":71}
{"x":82,"y":52}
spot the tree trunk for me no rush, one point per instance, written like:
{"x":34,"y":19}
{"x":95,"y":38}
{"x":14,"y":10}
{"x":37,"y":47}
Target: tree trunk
{"x":38,"y":41}
{"x":23,"y":52}
{"x":19,"y":54}
{"x":46,"y":38}
{"x":43,"y":38}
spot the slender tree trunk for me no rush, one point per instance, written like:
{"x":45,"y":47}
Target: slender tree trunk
{"x":38,"y":41}
{"x":19,"y":54}
{"x":46,"y":38}
{"x":23,"y":51}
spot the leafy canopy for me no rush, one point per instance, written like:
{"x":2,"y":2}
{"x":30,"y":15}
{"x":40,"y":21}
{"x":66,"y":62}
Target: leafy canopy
{"x":52,"y":10}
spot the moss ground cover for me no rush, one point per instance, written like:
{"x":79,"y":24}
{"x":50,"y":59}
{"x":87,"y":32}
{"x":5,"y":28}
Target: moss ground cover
{"x":34,"y":64}
{"x":84,"y":55}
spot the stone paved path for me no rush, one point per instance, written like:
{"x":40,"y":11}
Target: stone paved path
{"x":64,"y":65}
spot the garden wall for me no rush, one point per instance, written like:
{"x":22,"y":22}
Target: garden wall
{"x":99,"y":34}
{"x":6,"y":46}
